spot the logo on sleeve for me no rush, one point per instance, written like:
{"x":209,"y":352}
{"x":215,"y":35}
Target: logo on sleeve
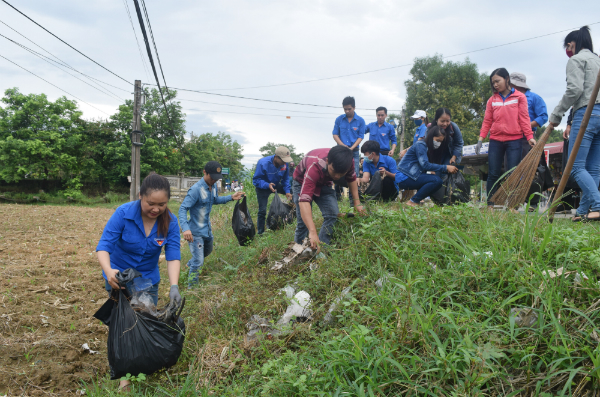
{"x":159,"y":241}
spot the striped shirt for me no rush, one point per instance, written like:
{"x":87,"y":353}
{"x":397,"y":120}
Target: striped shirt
{"x":312,"y":174}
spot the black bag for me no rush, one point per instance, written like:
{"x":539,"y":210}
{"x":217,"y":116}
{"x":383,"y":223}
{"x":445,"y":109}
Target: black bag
{"x":455,"y":189}
{"x":373,"y":191}
{"x":242,"y":224}
{"x":138,"y":343}
{"x":280,"y":214}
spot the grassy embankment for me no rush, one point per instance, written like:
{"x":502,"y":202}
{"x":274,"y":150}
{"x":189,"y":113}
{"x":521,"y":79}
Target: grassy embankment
{"x":439,"y":326}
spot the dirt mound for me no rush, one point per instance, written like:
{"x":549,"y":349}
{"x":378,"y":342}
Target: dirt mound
{"x":51,"y":286}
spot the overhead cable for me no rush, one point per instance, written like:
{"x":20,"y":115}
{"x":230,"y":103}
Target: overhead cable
{"x":56,"y":65}
{"x":258,"y":114}
{"x":108,"y":70}
{"x":253,"y":107}
{"x":60,"y":61}
{"x":393,"y":67}
{"x":141,"y":21}
{"x":154,"y":44}
{"x":136,"y":39}
{"x":55,"y":86}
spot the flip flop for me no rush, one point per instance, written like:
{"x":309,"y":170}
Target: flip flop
{"x":576,"y":219}
{"x":586,"y":218}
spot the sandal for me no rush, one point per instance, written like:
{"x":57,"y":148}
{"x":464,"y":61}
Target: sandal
{"x":576,"y":218}
{"x":587,"y":218}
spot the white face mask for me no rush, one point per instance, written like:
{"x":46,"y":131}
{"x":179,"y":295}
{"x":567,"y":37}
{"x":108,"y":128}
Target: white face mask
{"x":436,"y":144}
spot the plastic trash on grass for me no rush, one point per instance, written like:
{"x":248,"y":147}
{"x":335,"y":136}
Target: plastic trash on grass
{"x":524,"y":317}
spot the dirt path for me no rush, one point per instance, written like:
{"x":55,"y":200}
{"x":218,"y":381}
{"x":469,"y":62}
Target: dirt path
{"x":51,"y":286}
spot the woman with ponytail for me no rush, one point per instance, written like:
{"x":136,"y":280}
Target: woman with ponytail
{"x":582,"y":71}
{"x":135,"y":235}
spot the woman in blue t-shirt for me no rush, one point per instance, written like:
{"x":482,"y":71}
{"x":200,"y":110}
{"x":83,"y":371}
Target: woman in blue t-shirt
{"x":135,"y":235}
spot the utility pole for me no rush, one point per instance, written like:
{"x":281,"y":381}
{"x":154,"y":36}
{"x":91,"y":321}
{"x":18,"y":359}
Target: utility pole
{"x":136,"y":141}
{"x":402,"y":127}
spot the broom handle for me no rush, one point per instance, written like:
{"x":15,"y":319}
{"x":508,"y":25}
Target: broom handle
{"x":576,"y":144}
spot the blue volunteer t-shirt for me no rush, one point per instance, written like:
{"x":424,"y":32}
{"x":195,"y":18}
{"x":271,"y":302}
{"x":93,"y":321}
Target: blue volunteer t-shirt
{"x":420,"y":133}
{"x":383,"y":134}
{"x":349,"y":132}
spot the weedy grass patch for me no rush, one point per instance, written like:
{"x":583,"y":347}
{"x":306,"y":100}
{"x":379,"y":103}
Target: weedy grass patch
{"x":440,"y":324}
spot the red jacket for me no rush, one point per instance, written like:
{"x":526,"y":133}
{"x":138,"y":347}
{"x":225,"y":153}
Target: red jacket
{"x":507,"y":120}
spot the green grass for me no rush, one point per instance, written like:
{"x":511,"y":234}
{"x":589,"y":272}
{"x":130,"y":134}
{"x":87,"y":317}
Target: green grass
{"x":109,"y":199}
{"x":440,"y":326}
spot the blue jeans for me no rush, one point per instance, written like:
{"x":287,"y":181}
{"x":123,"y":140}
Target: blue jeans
{"x":496,"y":152}
{"x":329,"y":208}
{"x":425,"y":185}
{"x":152,"y":291}
{"x":200,"y":248}
{"x":586,"y":169}
{"x":262,"y":195}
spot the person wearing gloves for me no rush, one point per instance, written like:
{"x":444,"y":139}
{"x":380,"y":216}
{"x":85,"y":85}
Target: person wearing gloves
{"x":453,"y":142}
{"x":582,"y":71}
{"x":379,"y":165}
{"x":414,"y":167}
{"x":538,"y":114}
{"x":134,"y":237}
{"x":382,"y":132}
{"x":271,"y":176}
{"x":313,"y":180}
{"x":506,"y":120}
{"x":420,"y":119}
{"x":197,"y":230}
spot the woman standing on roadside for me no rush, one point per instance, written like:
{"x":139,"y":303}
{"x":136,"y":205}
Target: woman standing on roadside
{"x":453,"y":144}
{"x":135,"y":235}
{"x":582,"y":71}
{"x":506,"y":120}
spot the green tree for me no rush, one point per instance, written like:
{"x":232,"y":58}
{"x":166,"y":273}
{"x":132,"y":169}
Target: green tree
{"x":39,"y":139}
{"x":457,"y":86}
{"x":201,"y":149}
{"x":269,"y":149}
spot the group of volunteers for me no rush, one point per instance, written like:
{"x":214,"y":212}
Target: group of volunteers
{"x":138,"y":231}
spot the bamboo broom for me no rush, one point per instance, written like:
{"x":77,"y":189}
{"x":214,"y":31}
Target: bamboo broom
{"x":575,"y":150}
{"x":513,"y":192}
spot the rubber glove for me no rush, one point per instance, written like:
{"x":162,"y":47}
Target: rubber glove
{"x":478,"y":147}
{"x":174,"y":294}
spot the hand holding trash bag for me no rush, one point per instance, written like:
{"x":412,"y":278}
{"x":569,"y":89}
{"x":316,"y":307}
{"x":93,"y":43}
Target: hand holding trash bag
{"x":242,"y":224}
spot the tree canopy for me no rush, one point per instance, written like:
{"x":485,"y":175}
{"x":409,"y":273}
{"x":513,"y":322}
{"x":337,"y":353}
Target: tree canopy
{"x":269,"y":149}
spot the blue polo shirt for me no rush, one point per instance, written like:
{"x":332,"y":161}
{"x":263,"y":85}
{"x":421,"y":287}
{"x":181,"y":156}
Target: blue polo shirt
{"x":420,"y":133}
{"x":124,"y":238}
{"x":386,"y":162}
{"x":382,"y":134}
{"x":349,"y":132}
{"x":537,"y":108}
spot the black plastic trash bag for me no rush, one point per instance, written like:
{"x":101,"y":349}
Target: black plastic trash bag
{"x":242,"y":224}
{"x":280,"y":214}
{"x":373,"y":191}
{"x":138,"y":343}
{"x":455,"y":189}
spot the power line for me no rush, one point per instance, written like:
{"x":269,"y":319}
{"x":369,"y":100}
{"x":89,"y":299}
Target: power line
{"x":136,"y":39}
{"x":108,"y":70}
{"x":266,"y":100}
{"x":258,"y":114}
{"x":141,"y":21}
{"x":253,"y":107}
{"x":52,"y":62}
{"x":29,"y":71}
{"x":60,"y":61}
{"x":154,"y":44}
{"x":393,"y":67}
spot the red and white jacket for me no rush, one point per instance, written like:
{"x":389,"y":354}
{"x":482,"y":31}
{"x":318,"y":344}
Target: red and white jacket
{"x":508,"y":119}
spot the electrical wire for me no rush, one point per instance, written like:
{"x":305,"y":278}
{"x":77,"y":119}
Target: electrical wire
{"x":253,"y":107}
{"x":141,"y":21}
{"x":55,"y":64}
{"x":108,"y":70}
{"x":265,"y":100}
{"x":55,"y":86}
{"x":136,"y":39}
{"x":154,"y":44}
{"x":60,"y":61}
{"x":393,"y":67}
{"x":257,"y":114}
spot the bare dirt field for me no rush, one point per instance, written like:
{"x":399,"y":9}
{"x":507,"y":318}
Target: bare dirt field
{"x":51,"y":286}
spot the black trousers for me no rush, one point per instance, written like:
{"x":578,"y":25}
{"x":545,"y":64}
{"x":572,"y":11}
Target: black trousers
{"x":389,"y":190}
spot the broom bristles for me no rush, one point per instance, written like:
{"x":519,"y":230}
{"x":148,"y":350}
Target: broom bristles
{"x":513,"y":192}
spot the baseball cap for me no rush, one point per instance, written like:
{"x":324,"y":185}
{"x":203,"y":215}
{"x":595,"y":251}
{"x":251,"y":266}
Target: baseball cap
{"x":213,"y":168}
{"x":284,"y":153}
{"x":519,"y":80}
{"x":418,"y":114}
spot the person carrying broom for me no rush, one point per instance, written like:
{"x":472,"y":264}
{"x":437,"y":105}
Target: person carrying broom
{"x":582,"y":68}
{"x":507,"y":121}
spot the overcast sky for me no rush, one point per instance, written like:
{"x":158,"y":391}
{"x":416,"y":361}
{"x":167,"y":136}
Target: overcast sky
{"x":222,"y":46}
